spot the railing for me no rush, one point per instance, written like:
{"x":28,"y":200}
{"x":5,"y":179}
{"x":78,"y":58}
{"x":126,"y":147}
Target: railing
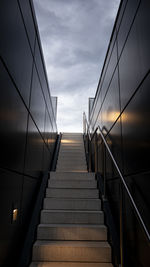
{"x":88,"y":139}
{"x":25,"y":257}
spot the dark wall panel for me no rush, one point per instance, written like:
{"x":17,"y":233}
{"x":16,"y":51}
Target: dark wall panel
{"x":114,"y":140}
{"x":142,"y":23}
{"x":28,"y":128}
{"x":14,"y":46}
{"x":48,"y":134}
{"x":126,"y":22}
{"x":37,"y":104}
{"x":111,"y":107}
{"x":121,"y":108}
{"x":46,"y":155}
{"x":136,"y":131}
{"x":30,"y":187}
{"x":10,"y":232}
{"x":28,"y":21}
{"x":34,"y":151}
{"x":13,"y":117}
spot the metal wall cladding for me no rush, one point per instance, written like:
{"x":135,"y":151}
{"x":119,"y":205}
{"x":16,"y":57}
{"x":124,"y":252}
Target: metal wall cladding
{"x":27,"y":124}
{"x":123,"y":113}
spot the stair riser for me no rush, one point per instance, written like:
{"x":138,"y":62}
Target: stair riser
{"x":71,"y":217}
{"x":71,"y":233}
{"x":69,"y":165}
{"x":69,"y":264}
{"x":72,"y":146}
{"x":72,"y":184}
{"x":46,"y":253}
{"x":72,"y":193}
{"x":74,"y":176}
{"x":71,"y":160}
{"x":72,"y":153}
{"x":71,"y":204}
{"x":72,"y":168}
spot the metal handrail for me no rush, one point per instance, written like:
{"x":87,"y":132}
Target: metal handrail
{"x":121,"y":176}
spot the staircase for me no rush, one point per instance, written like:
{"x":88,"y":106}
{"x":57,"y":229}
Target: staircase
{"x":71,"y":232}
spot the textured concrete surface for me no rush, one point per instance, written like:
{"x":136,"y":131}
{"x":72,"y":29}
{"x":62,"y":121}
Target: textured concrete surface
{"x":71,"y":251}
{"x":69,"y":264}
{"x":72,"y":204}
{"x":71,"y":232}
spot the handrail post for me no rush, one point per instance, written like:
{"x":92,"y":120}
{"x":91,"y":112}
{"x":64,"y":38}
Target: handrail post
{"x":104,"y":169}
{"x":89,"y":152}
{"x":96,"y":156}
{"x":121,"y":226}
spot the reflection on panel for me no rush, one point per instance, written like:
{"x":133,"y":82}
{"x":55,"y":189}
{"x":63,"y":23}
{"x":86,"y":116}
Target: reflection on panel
{"x":34,"y":151}
{"x":115,"y":144}
{"x":37,"y":103}
{"x":111,"y":107}
{"x":122,"y":110}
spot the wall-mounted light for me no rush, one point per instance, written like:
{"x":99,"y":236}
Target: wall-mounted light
{"x":15,"y":215}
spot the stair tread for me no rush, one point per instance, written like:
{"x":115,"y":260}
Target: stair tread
{"x":69,"y":264}
{"x":45,"y":225}
{"x":73,"y":211}
{"x":58,"y":243}
{"x":75,"y":199}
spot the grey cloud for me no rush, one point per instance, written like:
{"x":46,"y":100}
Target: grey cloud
{"x":75,"y":36}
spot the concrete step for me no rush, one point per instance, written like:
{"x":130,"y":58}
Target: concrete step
{"x":73,"y":169}
{"x":72,"y":157}
{"x":80,"y":152}
{"x":70,"y":162}
{"x":72,"y":184}
{"x":71,"y":166}
{"x":72,"y":146}
{"x":72,"y":204}
{"x":82,"y":251}
{"x":71,"y":150}
{"x":72,"y":193}
{"x":72,"y":134}
{"x":72,"y":216}
{"x":69,"y":264}
{"x":75,"y":154}
{"x":73,"y":143}
{"x":72,"y":232}
{"x":72,"y":176}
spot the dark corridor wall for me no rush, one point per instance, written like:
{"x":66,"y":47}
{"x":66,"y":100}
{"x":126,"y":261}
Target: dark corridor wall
{"x":122,"y":109}
{"x":27,"y":123}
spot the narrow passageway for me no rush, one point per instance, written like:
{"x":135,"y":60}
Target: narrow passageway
{"x":71,"y":230}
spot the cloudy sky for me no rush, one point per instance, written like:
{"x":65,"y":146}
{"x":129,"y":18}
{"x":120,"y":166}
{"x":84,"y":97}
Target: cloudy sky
{"x":75,"y":35}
